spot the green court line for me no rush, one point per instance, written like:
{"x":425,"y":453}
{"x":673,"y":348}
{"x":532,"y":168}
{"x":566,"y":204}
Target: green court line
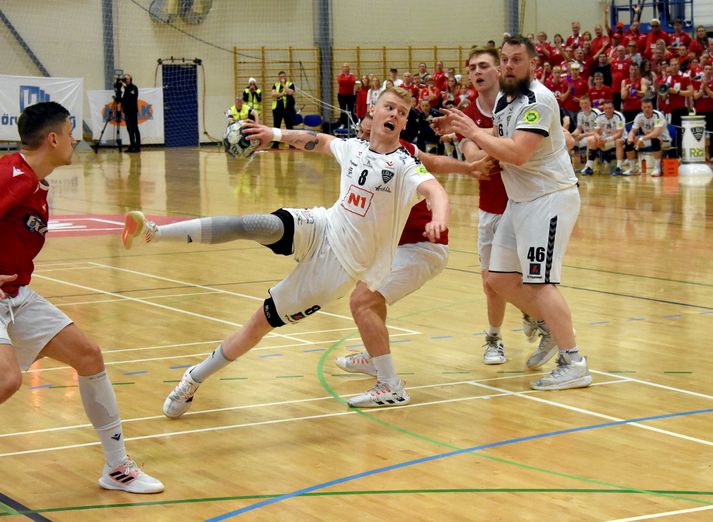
{"x":122,"y":383}
{"x":55,"y":386}
{"x":510,"y":371}
{"x":349,"y":493}
{"x":403,"y":431}
{"x":230,"y":379}
{"x":455,"y":372}
{"x":621,"y":371}
{"x":7,"y":510}
{"x":678,"y":372}
{"x":173,"y":380}
{"x":288,"y":376}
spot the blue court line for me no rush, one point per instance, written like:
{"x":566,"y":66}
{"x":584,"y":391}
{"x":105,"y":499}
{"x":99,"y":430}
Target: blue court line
{"x":442,"y":337}
{"x":401,"y":341}
{"x":315,"y":350}
{"x":348,"y":478}
{"x":355,"y":346}
{"x":672,"y":316}
{"x":40,"y":386}
{"x":136,"y":373}
{"x":180,"y":366}
{"x":638,"y":318}
{"x":270,"y":355}
{"x":599,"y":322}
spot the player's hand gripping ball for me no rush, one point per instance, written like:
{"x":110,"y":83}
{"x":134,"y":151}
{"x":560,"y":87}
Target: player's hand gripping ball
{"x":236,"y":143}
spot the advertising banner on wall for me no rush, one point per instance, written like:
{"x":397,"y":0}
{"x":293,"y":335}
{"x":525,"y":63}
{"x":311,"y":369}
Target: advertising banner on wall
{"x":18,"y":92}
{"x":103,"y":111}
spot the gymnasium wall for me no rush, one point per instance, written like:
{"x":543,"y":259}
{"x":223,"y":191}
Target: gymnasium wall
{"x":66,"y":35}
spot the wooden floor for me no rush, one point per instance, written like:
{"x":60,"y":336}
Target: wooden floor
{"x":270,"y":437}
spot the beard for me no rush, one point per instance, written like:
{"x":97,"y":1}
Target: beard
{"x":514,"y":89}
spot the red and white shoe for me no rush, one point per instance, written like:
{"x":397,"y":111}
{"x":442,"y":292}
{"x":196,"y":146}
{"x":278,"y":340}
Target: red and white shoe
{"x":129,"y":477}
{"x":136,"y":224}
{"x":357,"y":363}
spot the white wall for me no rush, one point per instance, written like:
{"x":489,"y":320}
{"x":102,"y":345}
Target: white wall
{"x":67,"y":34}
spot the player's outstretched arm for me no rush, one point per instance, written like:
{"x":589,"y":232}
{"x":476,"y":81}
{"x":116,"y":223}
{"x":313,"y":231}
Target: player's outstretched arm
{"x":436,"y":164}
{"x":440,"y":208}
{"x":302,"y":139}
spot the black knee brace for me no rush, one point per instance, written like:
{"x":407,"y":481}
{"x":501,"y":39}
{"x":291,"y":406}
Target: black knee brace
{"x":285,"y":245}
{"x":271,"y":314}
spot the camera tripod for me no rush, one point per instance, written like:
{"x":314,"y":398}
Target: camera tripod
{"x":114,"y":115}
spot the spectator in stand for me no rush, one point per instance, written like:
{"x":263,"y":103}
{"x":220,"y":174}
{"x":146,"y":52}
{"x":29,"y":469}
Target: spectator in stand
{"x":241,"y":111}
{"x":620,"y":66}
{"x":633,"y":90}
{"x":439,"y":77}
{"x":426,"y":135}
{"x":618,"y":28}
{"x":373,"y":95}
{"x":684,"y":59}
{"x":559,"y":87}
{"x":409,"y":84}
{"x":557,"y":50}
{"x":252,"y":95}
{"x":490,"y":44}
{"x":703,"y":94}
{"x":633,"y":54}
{"x":700,"y":44}
{"x":679,"y":37}
{"x":654,"y":36}
{"x":599,"y":92}
{"x":600,"y":41}
{"x":584,"y":61}
{"x":544,"y":73}
{"x":660,"y":52}
{"x":695,"y":69}
{"x":608,"y":132}
{"x":362,"y":90}
{"x":679,"y":88}
{"x":451,"y":91}
{"x":394,"y":77}
{"x":578,"y":88}
{"x":648,"y":74}
{"x":422,"y":74}
{"x":585,"y":126}
{"x":602,"y":66}
{"x":345,"y":96}
{"x":542,"y":47}
{"x":430,"y":93}
{"x":634,"y":35}
{"x":575,"y":39}
{"x":410,"y":132}
{"x":649,"y":131}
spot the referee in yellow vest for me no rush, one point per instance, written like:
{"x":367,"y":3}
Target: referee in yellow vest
{"x":283,"y":103}
{"x":241,"y":111}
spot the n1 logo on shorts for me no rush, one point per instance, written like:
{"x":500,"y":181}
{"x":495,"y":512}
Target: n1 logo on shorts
{"x":357,"y":200}
{"x":301,"y":315}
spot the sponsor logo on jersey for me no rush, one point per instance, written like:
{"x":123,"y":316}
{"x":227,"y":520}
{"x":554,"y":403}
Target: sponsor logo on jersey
{"x":16,"y":172}
{"x":386,"y":175}
{"x":421,"y":170}
{"x":383,"y":188}
{"x":531,"y":116}
{"x":357,"y":200}
{"x":35,"y":224}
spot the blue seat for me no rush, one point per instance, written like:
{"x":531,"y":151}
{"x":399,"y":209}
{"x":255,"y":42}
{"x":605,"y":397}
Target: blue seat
{"x":297,"y":119}
{"x":313,"y":120}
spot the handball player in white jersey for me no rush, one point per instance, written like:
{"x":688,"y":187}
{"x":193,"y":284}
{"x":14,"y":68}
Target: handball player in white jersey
{"x":353,"y":240}
{"x":529,"y":244}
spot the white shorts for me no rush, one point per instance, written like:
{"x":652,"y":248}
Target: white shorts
{"x":36,"y":323}
{"x":609,"y":144}
{"x":318,"y":278}
{"x":532,"y":236}
{"x":414,"y":264}
{"x":487,"y":225}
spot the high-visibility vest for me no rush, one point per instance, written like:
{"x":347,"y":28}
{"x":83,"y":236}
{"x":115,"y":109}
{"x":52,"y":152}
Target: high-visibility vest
{"x":241,"y":114}
{"x":279,"y":88}
{"x":252,"y":98}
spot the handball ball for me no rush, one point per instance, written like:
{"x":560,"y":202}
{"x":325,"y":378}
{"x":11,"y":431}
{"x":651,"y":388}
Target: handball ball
{"x":236,"y":143}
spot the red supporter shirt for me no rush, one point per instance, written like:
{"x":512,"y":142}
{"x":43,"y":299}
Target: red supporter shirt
{"x":23,"y":220}
{"x":491,"y":192}
{"x":419,"y":216}
{"x":703,"y":104}
{"x":346,"y":83}
{"x":558,"y":88}
{"x":598,"y":95}
{"x":680,"y":39}
{"x":619,"y":72}
{"x":441,"y":80}
{"x":680,"y":82}
{"x":413,"y":89}
{"x":697,"y":48}
{"x":579,"y":88}
{"x":633,"y":101}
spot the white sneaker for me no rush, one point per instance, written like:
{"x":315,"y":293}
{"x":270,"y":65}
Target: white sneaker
{"x":568,"y":374}
{"x":530,"y":327}
{"x":357,"y":363}
{"x":136,"y":224}
{"x":494,"y":350}
{"x":129,"y":477}
{"x":655,"y":173}
{"x":381,"y":395}
{"x":545,"y":350}
{"x":179,"y":400}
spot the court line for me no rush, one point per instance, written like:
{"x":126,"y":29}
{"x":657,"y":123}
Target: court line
{"x":666,"y":514}
{"x":457,"y":452}
{"x":19,"y":507}
{"x":164,"y":307}
{"x":600,"y":415}
{"x":156,"y":296}
{"x":349,"y":493}
{"x":656,"y":385}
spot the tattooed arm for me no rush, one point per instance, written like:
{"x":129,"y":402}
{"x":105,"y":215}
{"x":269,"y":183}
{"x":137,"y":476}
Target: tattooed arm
{"x":308,"y":140}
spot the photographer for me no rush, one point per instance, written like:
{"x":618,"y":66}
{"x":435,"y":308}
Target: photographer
{"x":130,"y":107}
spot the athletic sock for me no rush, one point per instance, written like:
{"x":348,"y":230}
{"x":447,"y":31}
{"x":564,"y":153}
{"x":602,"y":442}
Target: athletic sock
{"x":101,"y":408}
{"x":619,"y":163}
{"x":572,"y":353}
{"x":210,"y":365}
{"x":590,"y":163}
{"x":266,"y":229}
{"x":385,"y":370}
{"x":493,"y":331}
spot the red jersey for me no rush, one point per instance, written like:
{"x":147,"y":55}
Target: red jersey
{"x":704,"y":104}
{"x":418,"y":217}
{"x":579,"y":88}
{"x":680,"y":83}
{"x":413,"y":89}
{"x":619,"y":72}
{"x":491,"y":192}
{"x":680,"y":39}
{"x":633,"y":100}
{"x":600,"y":42}
{"x":697,"y":47}
{"x":441,"y":80}
{"x":23,"y":220}
{"x":559,"y":88}
{"x":599,"y":95}
{"x":346,"y":83}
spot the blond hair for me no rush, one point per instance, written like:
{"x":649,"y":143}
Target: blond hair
{"x":398,"y":92}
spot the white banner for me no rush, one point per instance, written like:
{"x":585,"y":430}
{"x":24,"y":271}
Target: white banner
{"x":101,"y":107}
{"x":18,"y":92}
